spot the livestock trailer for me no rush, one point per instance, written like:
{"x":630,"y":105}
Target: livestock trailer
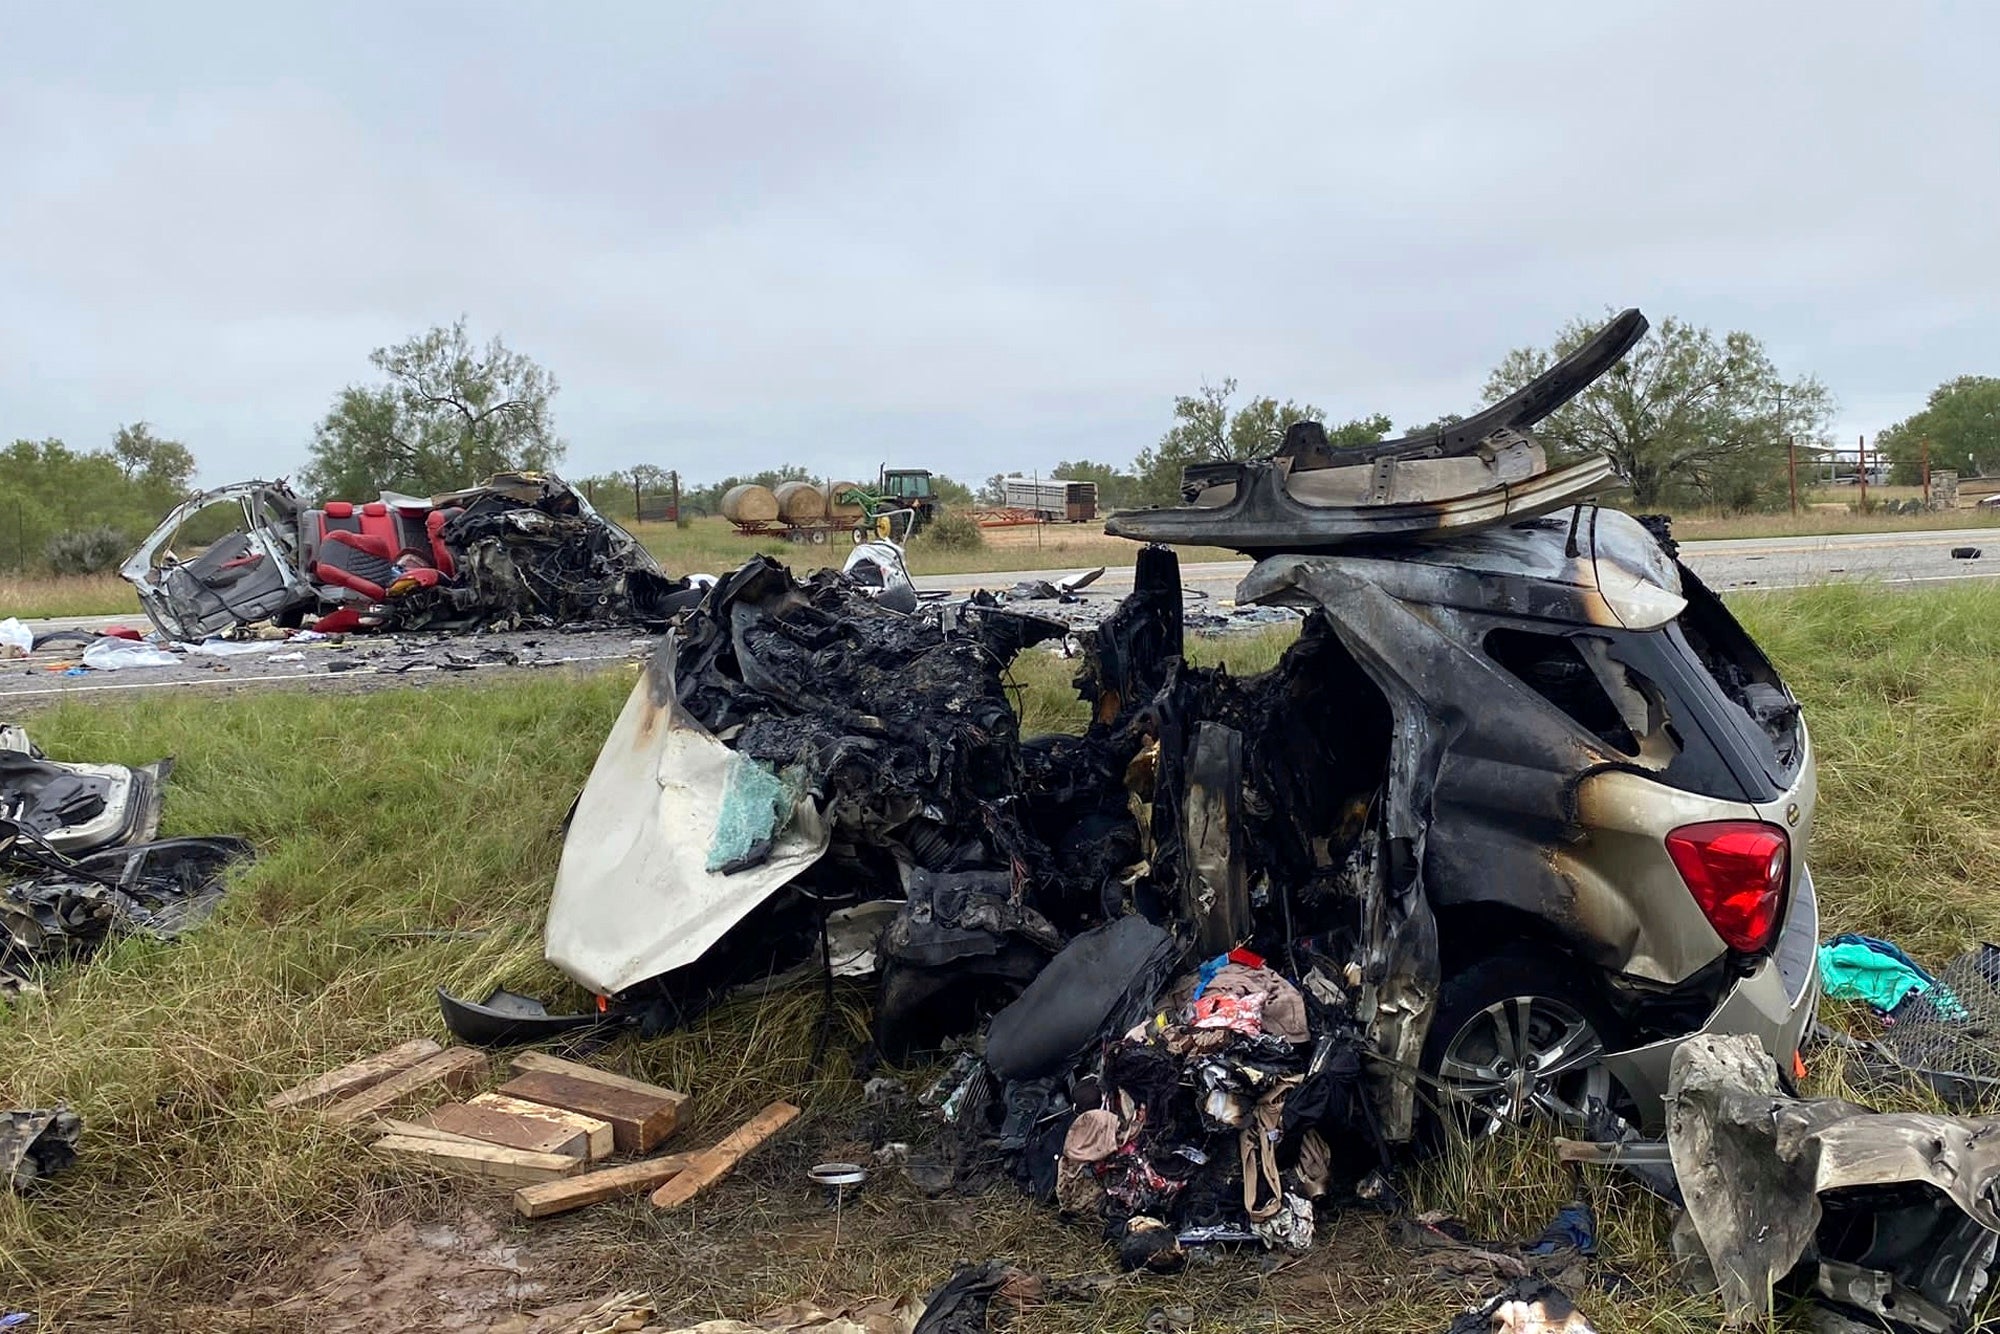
{"x":1052,"y":501}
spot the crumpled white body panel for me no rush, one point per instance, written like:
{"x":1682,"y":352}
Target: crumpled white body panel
{"x":634,"y":897}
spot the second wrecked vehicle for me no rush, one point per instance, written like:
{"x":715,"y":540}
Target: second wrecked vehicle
{"x":520,"y":549}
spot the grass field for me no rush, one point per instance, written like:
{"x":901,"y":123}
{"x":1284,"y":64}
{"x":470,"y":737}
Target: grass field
{"x":192,"y":1209}
{"x":1695,"y":526}
{"x":712,"y":545}
{"x":30,"y":596}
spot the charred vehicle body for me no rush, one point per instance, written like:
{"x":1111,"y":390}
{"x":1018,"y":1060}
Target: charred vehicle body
{"x":1520,"y":811}
{"x":522,"y":549}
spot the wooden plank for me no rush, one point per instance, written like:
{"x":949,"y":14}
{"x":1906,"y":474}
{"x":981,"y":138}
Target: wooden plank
{"x":523,"y":1062}
{"x":711,"y":1165}
{"x":456,"y":1069}
{"x":480,"y":1160}
{"x":597,"y":1137}
{"x":389,"y":1125}
{"x":353,"y":1077}
{"x":510,"y":1131}
{"x":557,"y":1197}
{"x":639,"y":1121}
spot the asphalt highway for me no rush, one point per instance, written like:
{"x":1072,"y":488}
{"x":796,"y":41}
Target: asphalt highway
{"x":1891,"y":560}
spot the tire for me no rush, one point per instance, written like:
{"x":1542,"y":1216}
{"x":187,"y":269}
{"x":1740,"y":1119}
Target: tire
{"x":1515,"y":1038}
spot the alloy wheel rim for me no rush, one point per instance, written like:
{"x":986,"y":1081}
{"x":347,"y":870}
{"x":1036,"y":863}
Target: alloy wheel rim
{"x":1523,"y":1058}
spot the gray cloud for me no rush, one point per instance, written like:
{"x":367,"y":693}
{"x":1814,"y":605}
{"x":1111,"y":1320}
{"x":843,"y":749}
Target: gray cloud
{"x":741,"y":235}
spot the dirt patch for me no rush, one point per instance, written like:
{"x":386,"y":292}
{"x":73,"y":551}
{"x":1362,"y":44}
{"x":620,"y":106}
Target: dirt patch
{"x":461,"y":1274}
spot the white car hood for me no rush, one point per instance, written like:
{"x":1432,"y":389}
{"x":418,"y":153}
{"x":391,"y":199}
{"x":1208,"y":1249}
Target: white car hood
{"x":634,"y":897}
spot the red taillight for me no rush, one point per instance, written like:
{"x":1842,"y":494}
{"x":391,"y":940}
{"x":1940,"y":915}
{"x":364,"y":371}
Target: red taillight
{"x":1737,"y":871}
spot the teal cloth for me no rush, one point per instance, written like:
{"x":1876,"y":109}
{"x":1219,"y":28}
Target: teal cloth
{"x":1852,"y":968}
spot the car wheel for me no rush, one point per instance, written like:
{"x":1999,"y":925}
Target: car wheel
{"x":1514,"y":1040}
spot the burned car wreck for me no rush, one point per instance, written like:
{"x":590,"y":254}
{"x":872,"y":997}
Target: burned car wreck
{"x":523,"y":549}
{"x":1520,"y":810}
{"x":1243,"y":931}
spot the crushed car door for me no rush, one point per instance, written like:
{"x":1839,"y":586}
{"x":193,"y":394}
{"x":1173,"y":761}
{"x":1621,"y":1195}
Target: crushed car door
{"x":225,"y":557}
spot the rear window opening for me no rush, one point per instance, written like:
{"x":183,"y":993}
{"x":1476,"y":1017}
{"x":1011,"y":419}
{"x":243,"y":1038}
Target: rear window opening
{"x":1748,"y":681}
{"x":1554,"y":667}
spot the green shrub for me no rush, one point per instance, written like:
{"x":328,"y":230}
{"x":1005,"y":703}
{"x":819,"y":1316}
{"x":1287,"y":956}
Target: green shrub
{"x":952,"y":531}
{"x":87,"y":550}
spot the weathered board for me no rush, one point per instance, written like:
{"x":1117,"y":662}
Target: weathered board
{"x":353,"y":1077}
{"x":640,"y":1121}
{"x":598,"y":1140}
{"x":556,"y":1197}
{"x":456,"y":1069}
{"x":711,"y":1165}
{"x":480,"y":1160}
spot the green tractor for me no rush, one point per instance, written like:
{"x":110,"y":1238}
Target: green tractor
{"x":898,"y":491}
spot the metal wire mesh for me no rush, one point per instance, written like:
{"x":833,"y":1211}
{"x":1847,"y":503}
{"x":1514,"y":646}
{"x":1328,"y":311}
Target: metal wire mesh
{"x":1955,"y":1026}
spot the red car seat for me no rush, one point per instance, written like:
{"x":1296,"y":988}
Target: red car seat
{"x":356,"y":561}
{"x":434,"y":529}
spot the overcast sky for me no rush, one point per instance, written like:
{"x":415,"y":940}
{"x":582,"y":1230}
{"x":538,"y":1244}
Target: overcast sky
{"x":979,"y":239}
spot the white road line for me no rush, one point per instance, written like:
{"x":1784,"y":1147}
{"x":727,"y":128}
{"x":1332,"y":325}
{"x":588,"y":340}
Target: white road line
{"x":308,"y":677}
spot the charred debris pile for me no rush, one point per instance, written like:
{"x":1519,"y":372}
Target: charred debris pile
{"x":81,"y":863}
{"x":81,"y":860}
{"x":1146,"y":933}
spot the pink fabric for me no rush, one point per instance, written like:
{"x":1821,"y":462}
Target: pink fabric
{"x":1240,"y":1014}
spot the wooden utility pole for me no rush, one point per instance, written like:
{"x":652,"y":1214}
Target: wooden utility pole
{"x":1927,"y":472}
{"x":1792,"y":471}
{"x":1861,"y":448}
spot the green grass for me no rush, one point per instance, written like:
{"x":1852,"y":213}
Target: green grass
{"x":1902,"y":697}
{"x":386,"y":819}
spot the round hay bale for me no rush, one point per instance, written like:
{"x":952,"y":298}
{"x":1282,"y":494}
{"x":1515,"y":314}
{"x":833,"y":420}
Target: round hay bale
{"x":800,"y":502}
{"x":836,"y":507}
{"x":749,"y":503}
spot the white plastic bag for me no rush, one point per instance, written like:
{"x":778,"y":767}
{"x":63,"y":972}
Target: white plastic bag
{"x":111,"y":654}
{"x":16,"y":639}
{"x":230,"y":648}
